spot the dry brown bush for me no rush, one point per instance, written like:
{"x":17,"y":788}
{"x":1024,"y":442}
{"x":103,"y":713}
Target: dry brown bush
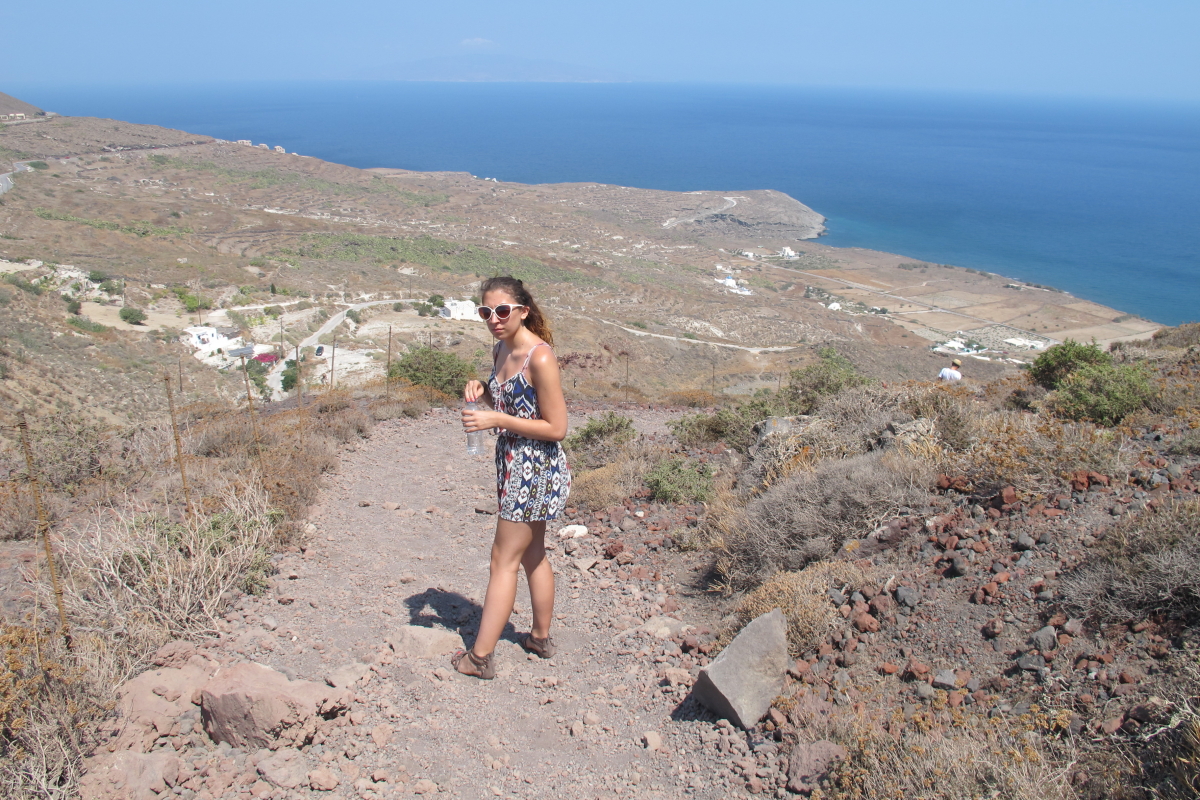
{"x":142,"y":577}
{"x":692,"y":398}
{"x":48,"y":712}
{"x":18,"y":511}
{"x":1146,"y":564}
{"x":803,"y":599}
{"x":1000,"y":760}
{"x":806,"y":516}
{"x":617,"y":480}
{"x":1032,"y":453}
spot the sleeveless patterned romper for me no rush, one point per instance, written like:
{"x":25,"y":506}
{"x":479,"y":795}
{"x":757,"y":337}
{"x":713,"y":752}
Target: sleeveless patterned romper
{"x":532,"y":476}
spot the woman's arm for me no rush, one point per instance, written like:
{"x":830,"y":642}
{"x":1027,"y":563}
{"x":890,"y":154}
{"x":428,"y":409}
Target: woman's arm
{"x":552,"y":427}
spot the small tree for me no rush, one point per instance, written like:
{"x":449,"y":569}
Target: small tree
{"x":1054,"y":366}
{"x":134,"y":316}
{"x":437,"y":301}
{"x":74,"y":307}
{"x":96,"y":276}
{"x":425,"y":366}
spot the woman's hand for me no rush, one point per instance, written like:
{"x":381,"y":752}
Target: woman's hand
{"x":480,"y":419}
{"x":473,"y":391}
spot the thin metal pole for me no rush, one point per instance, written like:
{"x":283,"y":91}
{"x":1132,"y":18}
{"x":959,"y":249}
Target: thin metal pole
{"x":187,"y":495}
{"x":180,"y":362}
{"x":43,"y":526}
{"x":253,"y":421}
{"x":333,"y":363}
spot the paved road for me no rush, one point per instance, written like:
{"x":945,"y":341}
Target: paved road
{"x":6,"y":181}
{"x":275,"y":376}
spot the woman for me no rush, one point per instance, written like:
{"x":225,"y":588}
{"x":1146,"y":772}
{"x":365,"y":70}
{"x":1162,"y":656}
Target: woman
{"x":527,"y":406}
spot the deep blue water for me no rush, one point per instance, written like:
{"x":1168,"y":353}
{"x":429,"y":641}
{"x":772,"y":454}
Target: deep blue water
{"x":1100,"y":199}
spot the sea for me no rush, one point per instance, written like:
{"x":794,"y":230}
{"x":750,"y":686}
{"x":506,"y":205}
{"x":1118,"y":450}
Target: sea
{"x":1099,"y":198}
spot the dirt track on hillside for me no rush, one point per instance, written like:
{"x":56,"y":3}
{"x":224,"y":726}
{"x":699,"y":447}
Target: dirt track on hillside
{"x":571,"y":727}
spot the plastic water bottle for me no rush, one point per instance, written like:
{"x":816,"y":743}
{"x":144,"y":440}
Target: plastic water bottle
{"x":475,"y":439}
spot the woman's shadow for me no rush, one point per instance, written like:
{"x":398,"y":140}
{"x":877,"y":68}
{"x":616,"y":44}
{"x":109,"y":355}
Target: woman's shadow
{"x":441,"y":608}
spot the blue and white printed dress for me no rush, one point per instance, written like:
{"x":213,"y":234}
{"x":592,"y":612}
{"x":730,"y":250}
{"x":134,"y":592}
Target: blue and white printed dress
{"x":533,"y":480}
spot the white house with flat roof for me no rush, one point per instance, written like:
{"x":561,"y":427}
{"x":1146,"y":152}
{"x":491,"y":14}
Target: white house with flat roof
{"x":459,"y":309}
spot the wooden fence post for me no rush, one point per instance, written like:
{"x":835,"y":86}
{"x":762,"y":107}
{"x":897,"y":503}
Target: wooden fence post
{"x":43,"y":527}
{"x":187,"y":495}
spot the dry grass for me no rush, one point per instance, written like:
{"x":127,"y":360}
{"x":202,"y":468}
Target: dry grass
{"x":617,"y":480}
{"x":142,"y":578}
{"x":997,"y":760}
{"x":803,"y":599}
{"x":141,"y":572}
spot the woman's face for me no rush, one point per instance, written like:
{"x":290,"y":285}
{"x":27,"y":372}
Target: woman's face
{"x":507,"y":327}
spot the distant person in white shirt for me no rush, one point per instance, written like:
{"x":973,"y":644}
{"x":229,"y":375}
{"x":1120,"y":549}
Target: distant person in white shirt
{"x":951,"y":374}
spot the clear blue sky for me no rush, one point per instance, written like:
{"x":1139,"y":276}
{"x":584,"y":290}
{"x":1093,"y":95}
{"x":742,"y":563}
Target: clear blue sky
{"x":1098,"y":48}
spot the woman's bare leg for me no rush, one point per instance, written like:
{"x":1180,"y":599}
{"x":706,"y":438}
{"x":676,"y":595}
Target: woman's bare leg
{"x":513,"y":539}
{"x":541,"y":580}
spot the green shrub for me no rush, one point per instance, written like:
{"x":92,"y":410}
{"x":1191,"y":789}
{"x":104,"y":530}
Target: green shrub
{"x":38,"y":164}
{"x":85,"y":324}
{"x":5,"y":297}
{"x":1102,"y":393}
{"x":354,"y":316}
{"x":438,"y":369}
{"x":1053,"y":367}
{"x":23,"y":285}
{"x":274,"y":312}
{"x":734,"y":426}
{"x":96,"y":276}
{"x":134,"y":316}
{"x":398,"y":306}
{"x":594,"y":443}
{"x":807,"y":386}
{"x":290,"y":375}
{"x":437,"y":301}
{"x":111,"y":287}
{"x":423,"y":309}
{"x":678,"y":480}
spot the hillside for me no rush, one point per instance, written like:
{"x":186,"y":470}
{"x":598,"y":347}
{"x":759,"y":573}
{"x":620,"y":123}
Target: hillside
{"x":11,"y":105}
{"x":168,"y":215}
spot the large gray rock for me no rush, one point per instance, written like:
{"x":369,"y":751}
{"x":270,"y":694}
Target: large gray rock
{"x":741,"y":682}
{"x":1045,"y":639}
{"x":415,"y":641}
{"x":810,"y":762}
{"x":251,"y":705}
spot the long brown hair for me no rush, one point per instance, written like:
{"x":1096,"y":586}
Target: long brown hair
{"x":536,"y":321}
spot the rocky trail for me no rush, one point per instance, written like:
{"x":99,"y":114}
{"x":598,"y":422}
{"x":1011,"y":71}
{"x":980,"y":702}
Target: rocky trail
{"x":392,"y":576}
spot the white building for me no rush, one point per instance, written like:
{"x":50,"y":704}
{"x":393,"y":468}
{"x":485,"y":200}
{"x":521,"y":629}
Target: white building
{"x":279,"y":149}
{"x":1026,"y":344}
{"x":732,"y":285}
{"x":788,"y":253}
{"x":246,"y":142}
{"x":207,"y":339}
{"x":459,"y":309}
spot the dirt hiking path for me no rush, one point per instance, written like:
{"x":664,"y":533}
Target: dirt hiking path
{"x":397,"y":540}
